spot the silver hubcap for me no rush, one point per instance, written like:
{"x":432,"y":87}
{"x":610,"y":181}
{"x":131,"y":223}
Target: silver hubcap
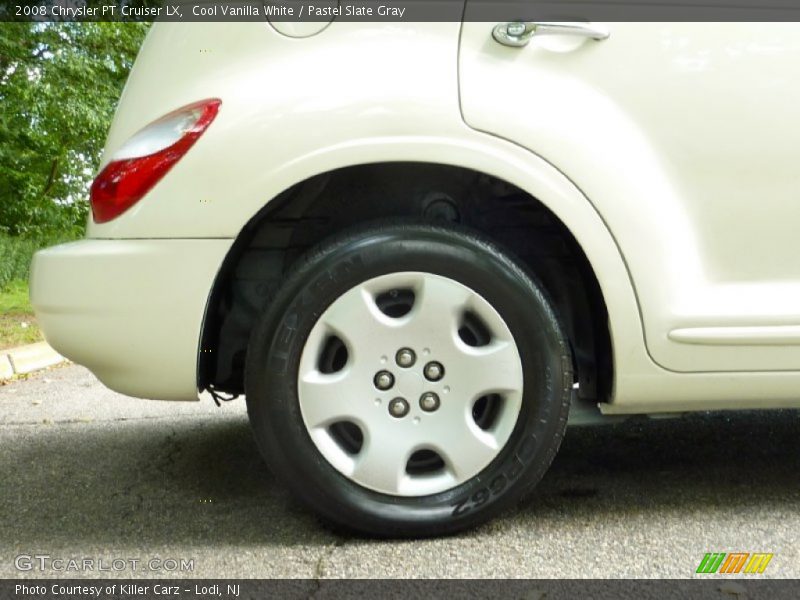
{"x":410,"y":384}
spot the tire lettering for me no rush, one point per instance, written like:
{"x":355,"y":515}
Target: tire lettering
{"x":499,"y":483}
{"x":480,"y":497}
{"x":526,"y":449}
{"x":516,"y":469}
{"x":460,"y":508}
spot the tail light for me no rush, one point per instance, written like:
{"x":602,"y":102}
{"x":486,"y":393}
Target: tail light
{"x":146,"y":157}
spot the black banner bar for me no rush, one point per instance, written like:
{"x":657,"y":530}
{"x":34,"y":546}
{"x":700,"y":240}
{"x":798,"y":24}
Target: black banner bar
{"x":401,"y":10}
{"x":447,"y":589}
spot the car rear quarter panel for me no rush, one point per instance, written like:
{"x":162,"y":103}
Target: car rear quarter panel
{"x":355,"y":94}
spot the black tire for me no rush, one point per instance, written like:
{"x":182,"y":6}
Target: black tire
{"x":339,"y":264}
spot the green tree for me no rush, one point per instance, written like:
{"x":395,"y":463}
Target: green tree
{"x":59,"y":85}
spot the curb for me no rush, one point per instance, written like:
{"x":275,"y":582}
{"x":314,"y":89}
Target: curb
{"x":27,"y":359}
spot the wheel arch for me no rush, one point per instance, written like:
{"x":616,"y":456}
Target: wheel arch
{"x":606,"y":317}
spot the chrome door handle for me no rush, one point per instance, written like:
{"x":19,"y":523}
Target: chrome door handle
{"x":519,"y":33}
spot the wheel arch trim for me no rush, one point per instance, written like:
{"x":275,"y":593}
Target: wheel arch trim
{"x":508,"y":162}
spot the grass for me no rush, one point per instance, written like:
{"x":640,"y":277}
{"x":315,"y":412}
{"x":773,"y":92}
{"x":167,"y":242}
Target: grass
{"x":17,"y":322}
{"x":15,"y":258}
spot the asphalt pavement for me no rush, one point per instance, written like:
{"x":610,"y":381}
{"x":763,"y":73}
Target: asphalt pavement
{"x":87,"y":474}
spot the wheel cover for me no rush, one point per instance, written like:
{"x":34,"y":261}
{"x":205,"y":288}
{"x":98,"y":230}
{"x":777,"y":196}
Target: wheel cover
{"x":444,"y":418}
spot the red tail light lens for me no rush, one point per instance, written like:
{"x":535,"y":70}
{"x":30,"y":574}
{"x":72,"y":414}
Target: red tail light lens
{"x":146,"y":157}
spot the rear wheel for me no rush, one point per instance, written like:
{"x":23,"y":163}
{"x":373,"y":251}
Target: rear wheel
{"x":408,"y":380}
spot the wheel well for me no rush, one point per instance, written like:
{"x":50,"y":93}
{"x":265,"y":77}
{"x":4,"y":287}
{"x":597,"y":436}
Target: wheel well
{"x":310,"y":211}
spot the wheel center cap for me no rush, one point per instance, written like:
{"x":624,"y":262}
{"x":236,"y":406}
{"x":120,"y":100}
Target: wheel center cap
{"x":410,"y":384}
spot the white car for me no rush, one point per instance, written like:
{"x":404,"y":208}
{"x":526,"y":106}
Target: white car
{"x":413,"y":246}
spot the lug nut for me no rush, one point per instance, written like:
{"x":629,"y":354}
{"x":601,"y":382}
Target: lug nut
{"x":384,"y":380}
{"x":434,"y":371}
{"x":429,"y":402}
{"x":398,"y":408}
{"x":406,"y":358}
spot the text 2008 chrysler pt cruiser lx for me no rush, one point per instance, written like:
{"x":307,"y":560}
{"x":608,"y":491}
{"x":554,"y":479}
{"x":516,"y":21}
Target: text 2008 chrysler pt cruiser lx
{"x":414,"y":246}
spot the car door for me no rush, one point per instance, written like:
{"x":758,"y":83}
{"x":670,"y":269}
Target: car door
{"x":684,"y":137}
